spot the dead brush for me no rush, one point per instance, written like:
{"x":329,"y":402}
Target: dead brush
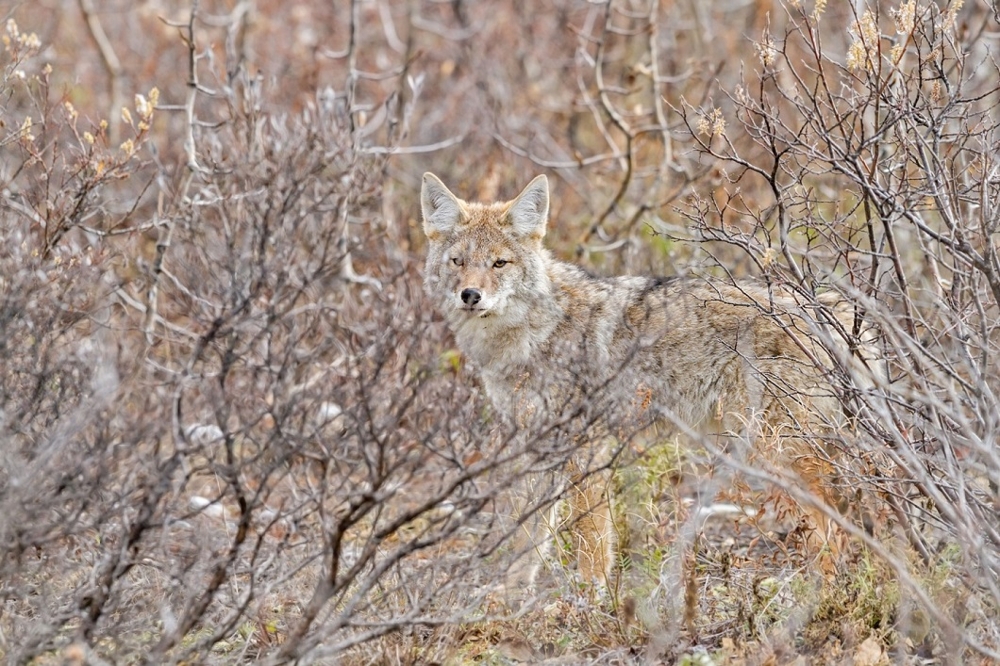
{"x":233,"y":432}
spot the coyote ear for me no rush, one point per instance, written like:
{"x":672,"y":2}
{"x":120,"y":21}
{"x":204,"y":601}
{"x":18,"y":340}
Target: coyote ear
{"x":530,"y":211}
{"x":442,"y":209}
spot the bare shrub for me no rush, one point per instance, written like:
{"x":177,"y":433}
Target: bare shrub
{"x":879,"y":153}
{"x":234,"y":431}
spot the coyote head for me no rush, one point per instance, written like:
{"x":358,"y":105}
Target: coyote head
{"x":485,"y":260}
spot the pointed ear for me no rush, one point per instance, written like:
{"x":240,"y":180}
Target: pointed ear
{"x":530,"y":211}
{"x":442,"y":210}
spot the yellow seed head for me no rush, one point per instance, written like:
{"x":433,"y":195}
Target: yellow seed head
{"x":768,"y":258}
{"x":26,"y":134}
{"x":896,"y":55}
{"x":704,"y":128}
{"x":868,"y":29}
{"x":712,"y":124}
{"x":766,"y":51}
{"x":952,"y":14}
{"x":857,"y":57}
{"x":905,"y":17}
{"x":936,"y":91}
{"x":718,"y":123}
{"x":863,"y":50}
{"x":142,"y":107}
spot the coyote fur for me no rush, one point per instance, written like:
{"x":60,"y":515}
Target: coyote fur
{"x":695,"y":355}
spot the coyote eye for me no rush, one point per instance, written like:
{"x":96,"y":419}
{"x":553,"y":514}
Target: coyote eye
{"x":499,"y":263}
{"x":457,"y":261}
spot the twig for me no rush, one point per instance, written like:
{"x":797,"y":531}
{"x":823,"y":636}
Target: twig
{"x":111,"y":63}
{"x":167,"y":229}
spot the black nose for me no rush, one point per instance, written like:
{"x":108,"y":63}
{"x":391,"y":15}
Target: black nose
{"x":471,"y":296}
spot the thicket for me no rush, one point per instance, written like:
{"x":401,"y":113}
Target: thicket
{"x":232,"y":429}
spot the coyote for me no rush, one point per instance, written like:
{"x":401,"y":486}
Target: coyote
{"x":694,"y":355}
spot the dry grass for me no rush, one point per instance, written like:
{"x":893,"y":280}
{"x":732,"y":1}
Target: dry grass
{"x":234,"y":432}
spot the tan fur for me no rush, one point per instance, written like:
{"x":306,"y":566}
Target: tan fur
{"x":692,"y":354}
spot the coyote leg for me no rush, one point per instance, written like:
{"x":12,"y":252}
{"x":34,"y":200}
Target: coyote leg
{"x":592,"y":527}
{"x":531,"y":532}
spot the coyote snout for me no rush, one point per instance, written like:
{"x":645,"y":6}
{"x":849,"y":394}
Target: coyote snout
{"x":471,"y":296}
{"x":689,"y":355}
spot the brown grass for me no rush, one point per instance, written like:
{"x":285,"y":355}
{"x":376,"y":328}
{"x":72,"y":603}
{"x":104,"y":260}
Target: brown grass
{"x":233,"y":431}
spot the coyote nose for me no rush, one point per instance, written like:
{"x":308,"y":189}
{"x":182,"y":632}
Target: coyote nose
{"x":471,"y":296}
